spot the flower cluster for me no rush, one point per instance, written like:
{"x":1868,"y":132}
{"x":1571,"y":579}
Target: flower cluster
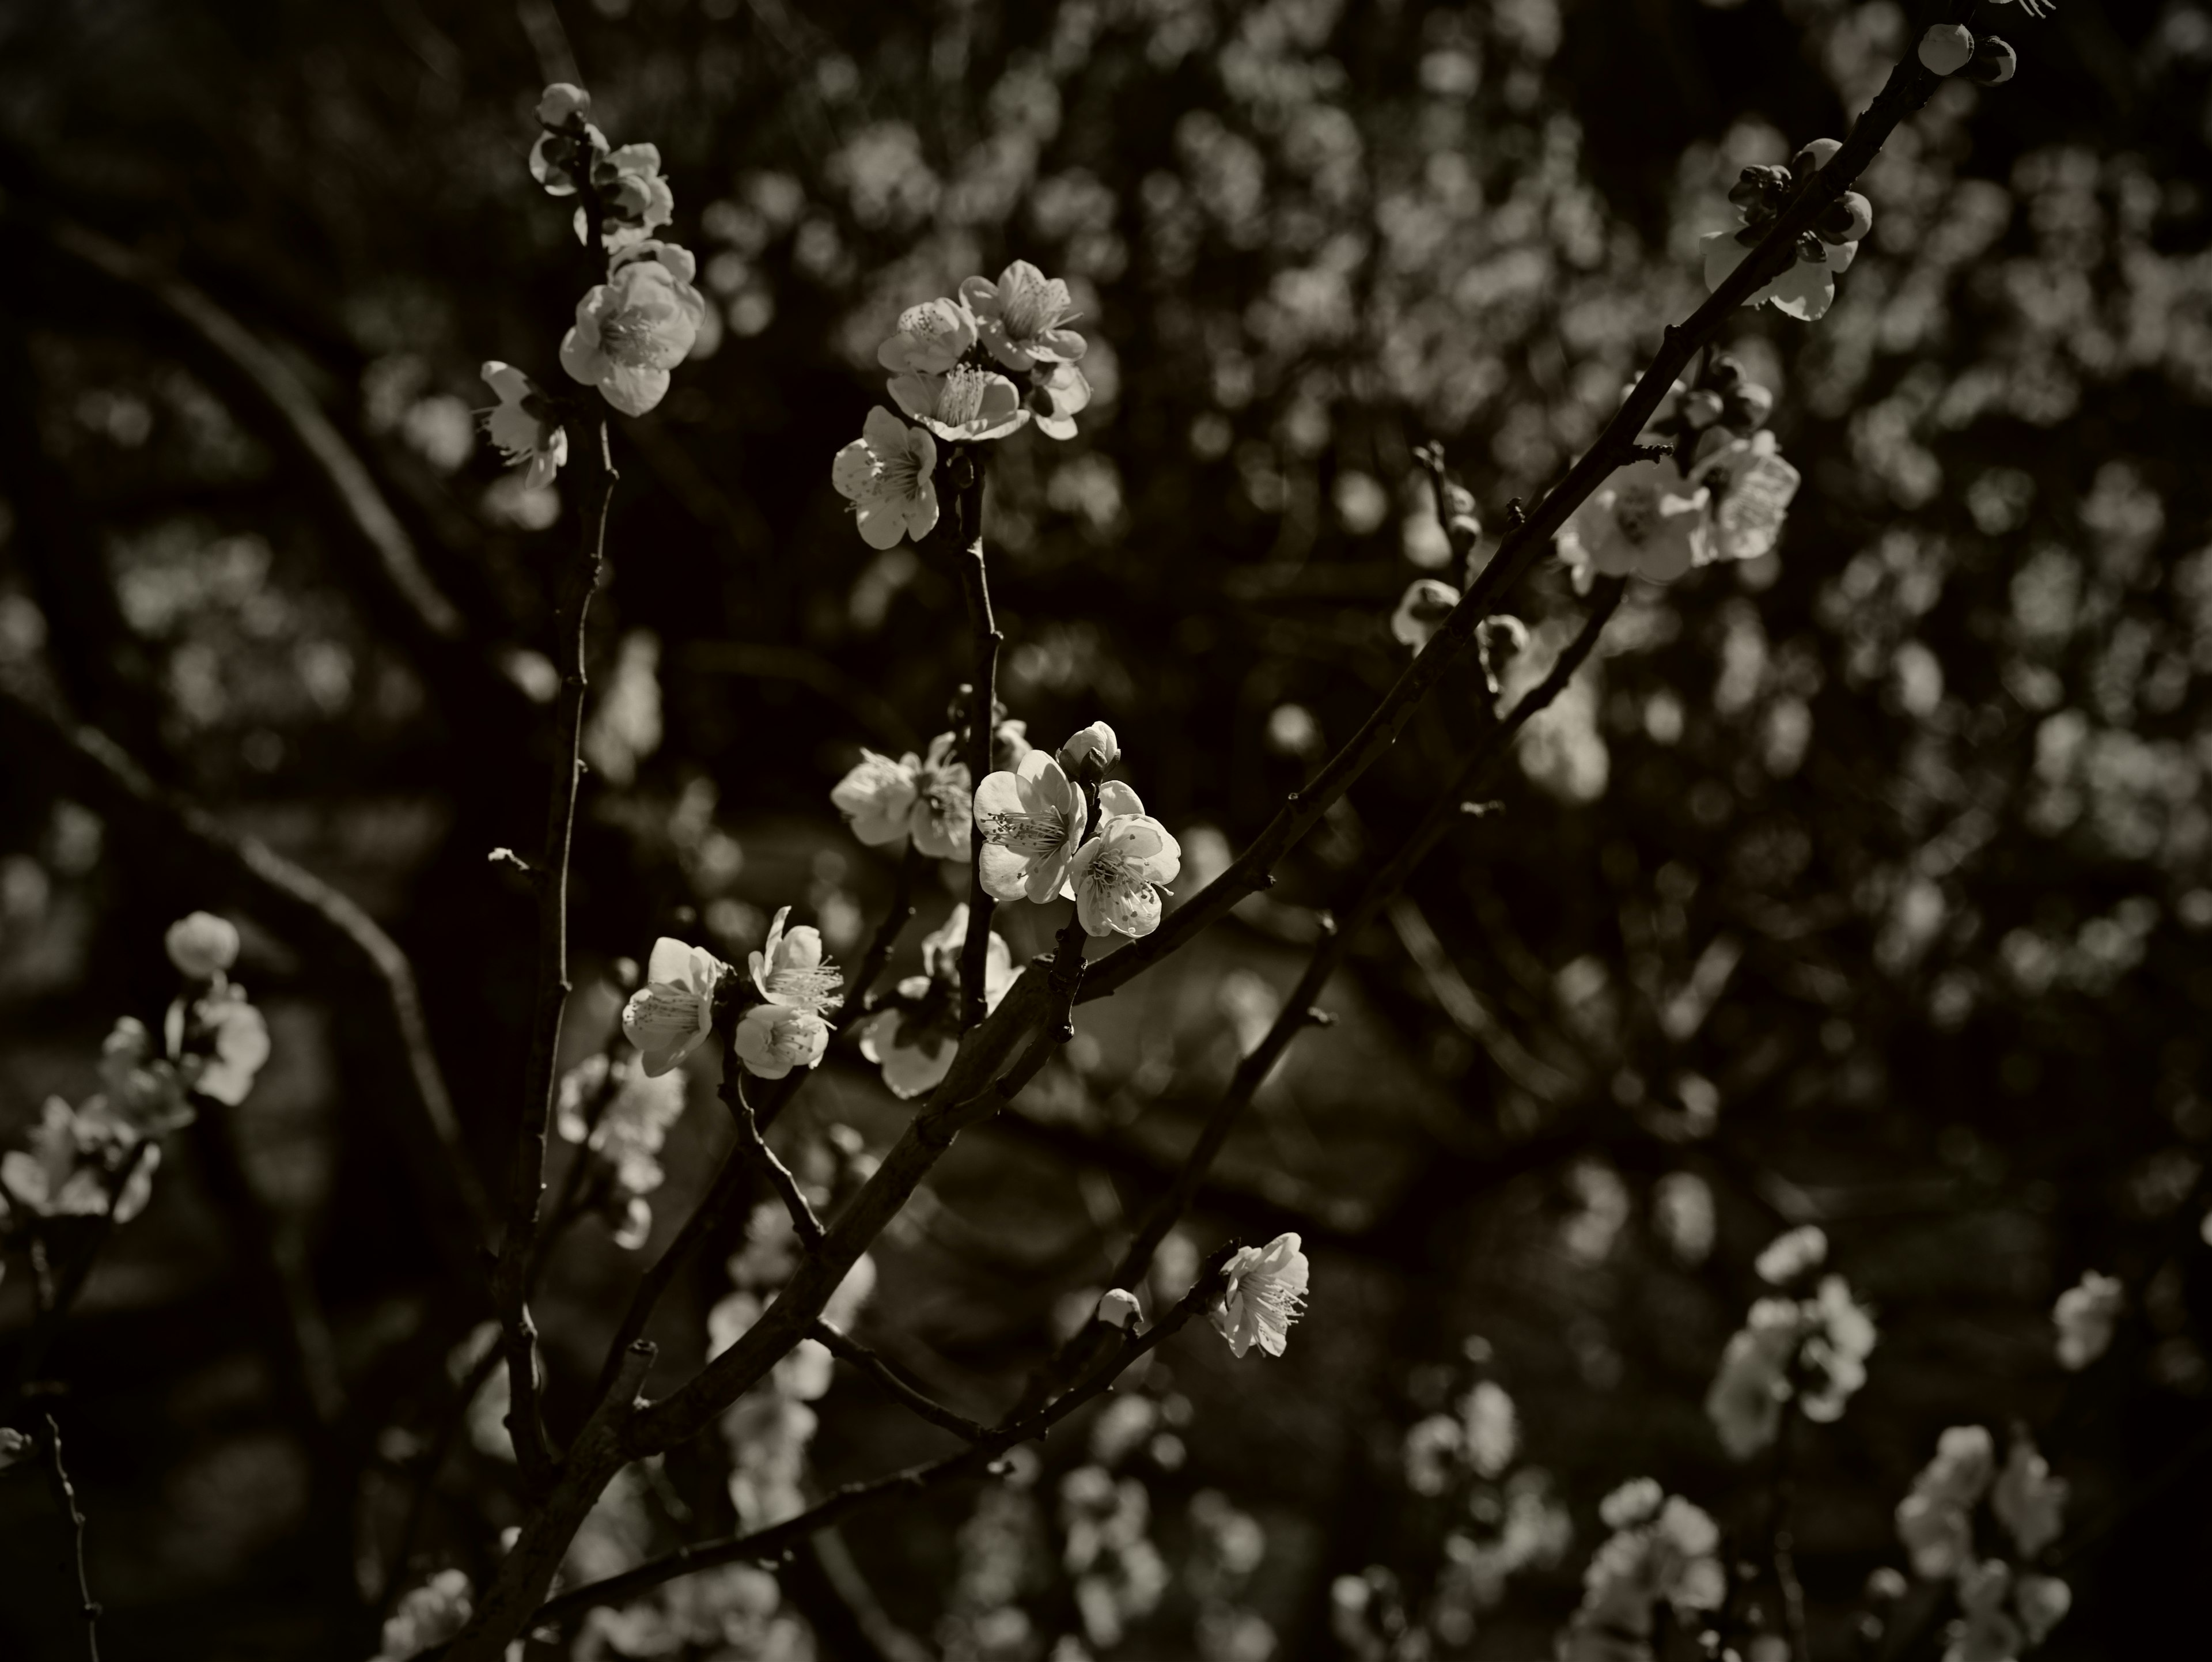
{"x":1033,"y":819}
{"x":1810,"y":1352}
{"x":2005,"y":1608}
{"x":1265,"y":1291}
{"x":427,"y":1615}
{"x":1760,"y":194}
{"x":798,"y":987}
{"x":1662,"y":1549}
{"x":1720,"y":493}
{"x":926,"y":798}
{"x":1480,"y":1440}
{"x":621,"y":1117}
{"x":633,"y":329}
{"x":914,"y":1035}
{"x":951,"y":364}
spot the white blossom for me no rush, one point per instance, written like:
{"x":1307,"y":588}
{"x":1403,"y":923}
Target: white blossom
{"x":218,"y":1042}
{"x":1661,"y":1551}
{"x":522,"y":427}
{"x":1113,"y":876}
{"x":1119,"y":1307}
{"x":1031,"y":820}
{"x":1805,"y":291}
{"x":1752,"y":1382}
{"x":67,"y":1169}
{"x":670,"y":1016}
{"x":2027,"y":1500}
{"x":637,"y":200}
{"x":1092,"y":749}
{"x":202,"y":945}
{"x":561,"y":100}
{"x":1421,"y":612}
{"x":790,"y":970}
{"x":636,"y":326}
{"x":924,"y":798}
{"x":1752,"y":490}
{"x":914,"y":1041}
{"x":1058,"y":392}
{"x":2086,"y":1314}
{"x":1947,"y":48}
{"x":885,"y":474}
{"x":965,"y":402}
{"x":1021,"y":317}
{"x":1936,"y":1520}
{"x":1644,"y":521}
{"x":771,"y":1040}
{"x":1265,"y":1293}
{"x":931,"y":337}
{"x":428,"y":1615}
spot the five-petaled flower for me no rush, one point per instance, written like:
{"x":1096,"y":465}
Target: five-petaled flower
{"x":964,"y":402}
{"x":931,"y":337}
{"x":522,"y":427}
{"x":773,"y":1038}
{"x":926,"y":798}
{"x":1645,"y":521}
{"x":670,"y":1016}
{"x":790,"y":970}
{"x":1031,"y":820}
{"x":1752,"y":489}
{"x":1264,"y":1293}
{"x":1113,"y":876}
{"x":633,"y":329}
{"x":1021,"y":316}
{"x":885,"y":475}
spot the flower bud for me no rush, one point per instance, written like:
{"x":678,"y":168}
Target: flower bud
{"x":1850,"y":219}
{"x":562,"y":101}
{"x":1118,"y":1308}
{"x":1091,"y":752}
{"x":1815,"y":157}
{"x":1701,"y":409}
{"x":202,"y":945}
{"x":1993,"y":62}
{"x":1724,"y":371}
{"x":1947,"y":48}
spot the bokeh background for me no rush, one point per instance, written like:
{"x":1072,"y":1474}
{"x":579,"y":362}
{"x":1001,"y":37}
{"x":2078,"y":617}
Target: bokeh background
{"x":1865,"y":884}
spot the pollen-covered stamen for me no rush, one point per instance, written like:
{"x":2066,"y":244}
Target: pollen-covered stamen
{"x":807,"y":987}
{"x":960,"y":399}
{"x":1028,"y":833}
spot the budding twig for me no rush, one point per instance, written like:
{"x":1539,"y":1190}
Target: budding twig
{"x":65,"y":1500}
{"x":983,"y":723}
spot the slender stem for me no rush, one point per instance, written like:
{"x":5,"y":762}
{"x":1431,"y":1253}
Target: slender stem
{"x":48,"y":1325}
{"x":982,"y":721}
{"x":895,"y":918}
{"x":1298,"y":1011}
{"x":65,"y":1500}
{"x":884,"y":1375}
{"x":1782,"y":1493}
{"x":803,"y":1223}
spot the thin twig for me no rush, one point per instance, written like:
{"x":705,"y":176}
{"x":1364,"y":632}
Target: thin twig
{"x":1782,"y":1493}
{"x":803,"y":1223}
{"x":47,"y":1327}
{"x":983,"y":723}
{"x":884,"y":1374}
{"x":896,"y":916}
{"x":65,"y":1500}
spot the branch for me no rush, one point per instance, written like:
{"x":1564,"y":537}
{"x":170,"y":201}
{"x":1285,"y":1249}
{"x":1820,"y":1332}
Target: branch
{"x":982,"y":721}
{"x":527,"y":1180}
{"x":58,"y":1478}
{"x":895,"y":918}
{"x":1298,"y":1011}
{"x":881,"y":1373}
{"x":803,"y":1223}
{"x":1907,"y":88}
{"x":165,"y":829}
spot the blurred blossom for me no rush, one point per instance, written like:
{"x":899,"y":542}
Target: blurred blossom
{"x":1682,"y":1205}
{"x":428,"y":1615}
{"x":1936,"y":1520}
{"x":2085,"y":1315}
{"x":624,"y":727}
{"x":202,"y":945}
{"x":926,"y":798}
{"x":1422,"y":611}
{"x":1666,"y":1555}
{"x":1788,"y":1257}
{"x":2027,"y":1500}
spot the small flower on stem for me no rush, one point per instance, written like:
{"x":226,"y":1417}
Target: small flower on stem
{"x":1058,"y":394}
{"x":1421,"y":612}
{"x":924,"y":798}
{"x":1113,"y":876}
{"x":914,"y":1041}
{"x":1119,"y":1308}
{"x":1021,"y":317}
{"x":2027,"y":1500}
{"x":773,"y":1038}
{"x":1266,"y":1293}
{"x":522,"y":427}
{"x":1645,"y":521}
{"x":931,"y":337}
{"x":790,"y":970}
{"x":637,"y":200}
{"x":202,"y":945}
{"x":1031,"y":820}
{"x":218,"y":1042}
{"x":671,"y":1015}
{"x":965,"y":402}
{"x":1087,"y":754}
{"x":636,"y":326}
{"x":885,"y":474}
{"x":1936,"y":1520}
{"x":1752,"y":490}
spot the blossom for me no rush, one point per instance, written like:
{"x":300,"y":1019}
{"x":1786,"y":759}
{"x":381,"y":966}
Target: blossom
{"x":963,"y":403}
{"x":2042,"y":1602}
{"x":1805,"y":291}
{"x":633,"y":329}
{"x":931,"y":337}
{"x":67,"y":1169}
{"x":631,"y":1127}
{"x":1752,"y":487}
{"x":562,"y":101}
{"x":1265,"y":1293}
{"x":1745,"y":1401}
{"x":668,"y":1017}
{"x":1645,"y":521}
{"x":914,"y":1041}
{"x":2027,"y":1500}
{"x":141,"y":1089}
{"x":637,"y":200}
{"x":1660,"y":1551}
{"x":1987,"y":1633}
{"x":202,"y":945}
{"x":2086,"y":1314}
{"x":926,"y":798}
{"x":1995,"y":62}
{"x":1839,"y":1338}
{"x":1031,"y":820}
{"x":772,"y":1039}
{"x":1021,"y":316}
{"x":1114,"y":875}
{"x":885,"y":475}
{"x":219,"y":1042}
{"x":1935,"y":1521}
{"x":1636,"y":1501}
{"x":790,"y":970}
{"x":1058,"y":394}
{"x":522,"y":427}
{"x":1093,"y":749}
{"x":1421,"y":612}
{"x":1431,"y":1452}
{"x":428,"y":1615}
{"x":1119,"y":1308}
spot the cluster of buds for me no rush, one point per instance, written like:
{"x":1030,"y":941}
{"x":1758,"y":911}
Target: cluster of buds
{"x":951,"y":363}
{"x":1954,"y":49}
{"x":1760,"y":194}
{"x":2005,"y":1607}
{"x":1809,"y":1351}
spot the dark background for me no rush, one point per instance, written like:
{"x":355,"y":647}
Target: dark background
{"x":1864,"y":885}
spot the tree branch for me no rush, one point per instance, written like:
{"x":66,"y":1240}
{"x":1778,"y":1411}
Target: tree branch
{"x":64,"y":1492}
{"x":983,"y":723}
{"x":881,"y":1373}
{"x":803,"y":1223}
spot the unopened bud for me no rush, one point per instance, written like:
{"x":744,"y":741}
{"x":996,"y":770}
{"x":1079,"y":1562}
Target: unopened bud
{"x":1850,"y":219}
{"x":202,"y":945}
{"x":1993,"y":62}
{"x":623,"y":973}
{"x":1091,"y":752}
{"x":562,"y":101}
{"x":1815,"y":157}
{"x":1947,"y":48}
{"x":1118,"y":1308}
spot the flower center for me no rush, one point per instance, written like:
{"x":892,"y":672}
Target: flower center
{"x":1027,"y":833}
{"x":813,"y":988}
{"x":1108,"y":871}
{"x":961,"y":399}
{"x":1636,"y":512}
{"x":627,"y":337}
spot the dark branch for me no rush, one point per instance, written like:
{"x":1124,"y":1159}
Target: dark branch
{"x":881,"y":1373}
